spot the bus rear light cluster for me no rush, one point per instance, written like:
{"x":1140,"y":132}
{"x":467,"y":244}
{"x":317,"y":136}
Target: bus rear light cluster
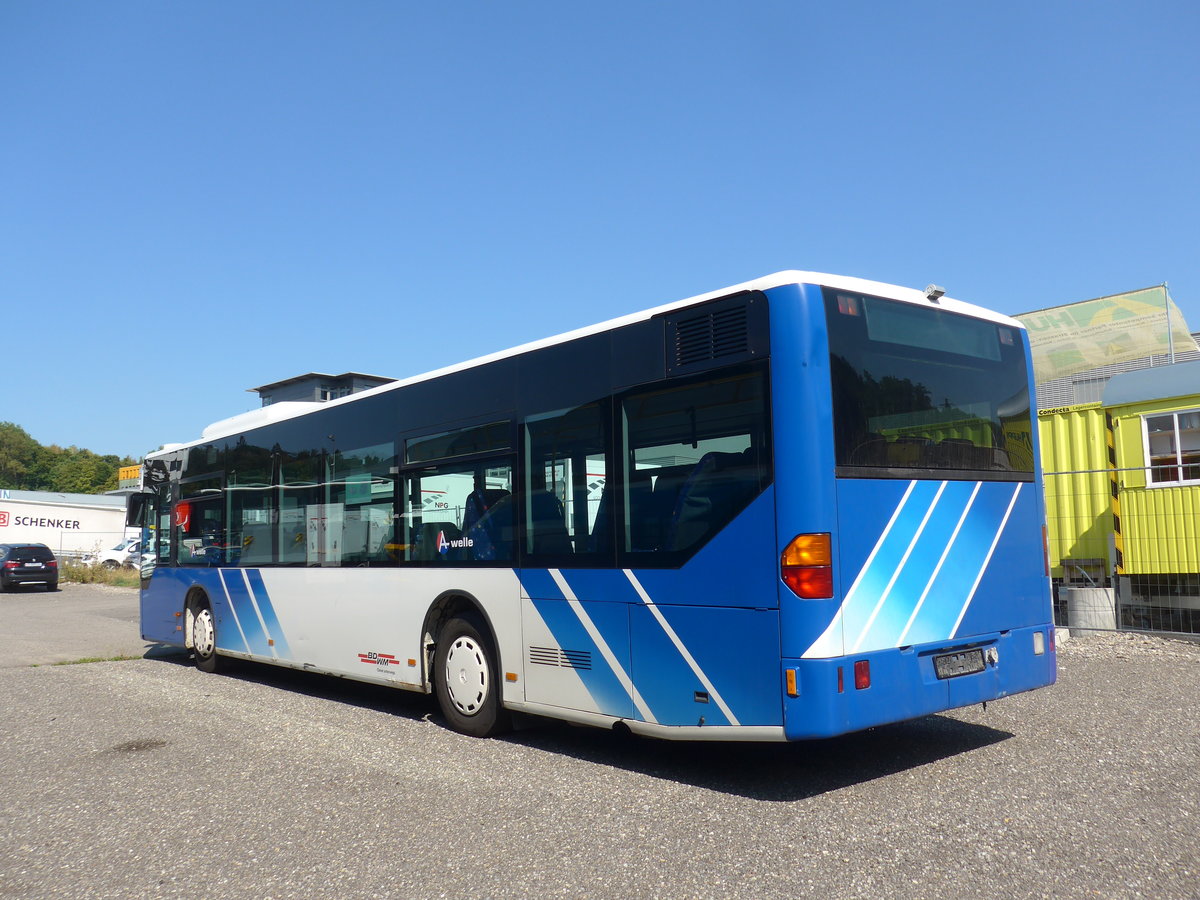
{"x":806,"y":566}
{"x":1042,"y":642}
{"x":862,"y":674}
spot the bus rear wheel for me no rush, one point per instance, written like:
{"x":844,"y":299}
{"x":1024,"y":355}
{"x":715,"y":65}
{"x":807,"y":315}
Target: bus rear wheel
{"x":204,"y":638}
{"x":465,"y":680}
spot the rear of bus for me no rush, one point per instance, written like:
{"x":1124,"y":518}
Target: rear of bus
{"x":909,"y":507}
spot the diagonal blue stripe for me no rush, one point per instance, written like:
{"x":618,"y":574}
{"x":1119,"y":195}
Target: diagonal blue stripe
{"x":239,"y":599}
{"x":953,"y":584}
{"x":889,"y":624}
{"x":612,"y":620}
{"x":873,"y":582}
{"x":267,"y":608}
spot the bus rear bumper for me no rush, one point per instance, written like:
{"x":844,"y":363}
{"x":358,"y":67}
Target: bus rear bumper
{"x":904,"y":683}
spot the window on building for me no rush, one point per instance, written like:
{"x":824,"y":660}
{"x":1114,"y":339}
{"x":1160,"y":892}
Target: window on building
{"x":1173,"y":447}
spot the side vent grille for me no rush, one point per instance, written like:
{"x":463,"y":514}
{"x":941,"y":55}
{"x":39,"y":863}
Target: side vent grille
{"x":712,"y":335}
{"x":717,"y":333}
{"x":565,"y":659}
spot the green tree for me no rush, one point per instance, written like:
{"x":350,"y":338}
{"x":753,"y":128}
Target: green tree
{"x":27,"y":465}
{"x":17,"y":451}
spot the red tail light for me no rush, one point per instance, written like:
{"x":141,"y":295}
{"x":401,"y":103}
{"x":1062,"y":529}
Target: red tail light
{"x":1046,"y":549}
{"x":862,"y":674}
{"x":11,"y":564}
{"x":806,"y":566}
{"x":52,"y":564}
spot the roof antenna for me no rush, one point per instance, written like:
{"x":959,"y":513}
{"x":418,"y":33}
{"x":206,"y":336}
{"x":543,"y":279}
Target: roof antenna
{"x":934,"y":292}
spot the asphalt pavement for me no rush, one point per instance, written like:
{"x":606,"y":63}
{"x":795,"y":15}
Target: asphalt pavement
{"x":147,"y":778}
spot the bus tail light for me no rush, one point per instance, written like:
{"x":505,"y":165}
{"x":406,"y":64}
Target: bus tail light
{"x":806,"y":566}
{"x":862,"y":674}
{"x":1046,"y":550}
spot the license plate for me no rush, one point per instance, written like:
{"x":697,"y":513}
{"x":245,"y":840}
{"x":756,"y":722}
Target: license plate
{"x":30,"y":565}
{"x":952,"y":665}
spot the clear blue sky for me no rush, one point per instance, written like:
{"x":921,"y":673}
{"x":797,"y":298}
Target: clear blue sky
{"x":203,"y":197}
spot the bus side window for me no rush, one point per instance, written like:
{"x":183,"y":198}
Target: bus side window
{"x":704,"y":447}
{"x":456,"y":489}
{"x":566,"y":515}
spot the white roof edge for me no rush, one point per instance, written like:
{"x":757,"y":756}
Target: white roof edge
{"x":256,"y":418}
{"x":278,"y":412}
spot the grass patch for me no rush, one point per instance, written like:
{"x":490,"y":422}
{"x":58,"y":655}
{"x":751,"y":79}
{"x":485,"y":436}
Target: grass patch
{"x":97,"y":574}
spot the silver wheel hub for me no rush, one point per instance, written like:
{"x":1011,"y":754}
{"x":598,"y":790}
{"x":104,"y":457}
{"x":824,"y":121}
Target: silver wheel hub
{"x":203,"y":633}
{"x":467,"y":676}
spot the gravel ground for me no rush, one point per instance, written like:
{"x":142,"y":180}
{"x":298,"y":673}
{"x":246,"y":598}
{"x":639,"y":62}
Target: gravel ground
{"x":147,"y":778}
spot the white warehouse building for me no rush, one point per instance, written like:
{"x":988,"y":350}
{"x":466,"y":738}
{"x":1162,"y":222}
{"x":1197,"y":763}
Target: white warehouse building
{"x":69,"y":524}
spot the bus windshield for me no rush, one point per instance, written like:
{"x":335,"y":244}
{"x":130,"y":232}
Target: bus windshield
{"x":918,"y":388}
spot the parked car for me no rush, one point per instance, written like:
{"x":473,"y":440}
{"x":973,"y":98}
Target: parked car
{"x":27,"y":564}
{"x":126,"y":553}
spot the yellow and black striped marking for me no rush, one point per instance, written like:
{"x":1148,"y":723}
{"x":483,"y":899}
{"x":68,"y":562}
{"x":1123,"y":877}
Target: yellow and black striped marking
{"x":1118,"y":541}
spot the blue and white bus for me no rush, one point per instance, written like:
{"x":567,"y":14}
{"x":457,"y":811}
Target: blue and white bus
{"x":794,"y":508}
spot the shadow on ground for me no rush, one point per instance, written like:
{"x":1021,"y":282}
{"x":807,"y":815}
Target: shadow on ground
{"x":770,"y":772}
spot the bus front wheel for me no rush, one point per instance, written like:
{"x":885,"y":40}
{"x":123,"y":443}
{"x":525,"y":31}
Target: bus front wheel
{"x":204,"y":638}
{"x":465,"y":679}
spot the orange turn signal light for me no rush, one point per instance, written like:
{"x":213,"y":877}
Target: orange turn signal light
{"x":806,"y":566}
{"x":808,"y":550}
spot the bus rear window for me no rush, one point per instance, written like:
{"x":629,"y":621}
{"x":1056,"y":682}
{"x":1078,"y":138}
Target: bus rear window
{"x":918,"y":389}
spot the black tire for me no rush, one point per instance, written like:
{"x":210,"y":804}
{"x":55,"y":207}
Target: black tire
{"x":111,"y":564}
{"x":204,"y":638}
{"x":51,"y":585}
{"x":466,"y":680}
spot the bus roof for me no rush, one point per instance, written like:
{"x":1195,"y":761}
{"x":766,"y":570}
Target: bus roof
{"x":278,"y":412}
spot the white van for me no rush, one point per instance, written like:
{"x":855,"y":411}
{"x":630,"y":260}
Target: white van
{"x":126,"y":553}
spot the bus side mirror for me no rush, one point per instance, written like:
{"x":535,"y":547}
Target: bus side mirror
{"x":137,"y":510}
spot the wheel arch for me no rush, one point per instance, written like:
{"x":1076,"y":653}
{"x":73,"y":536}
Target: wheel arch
{"x":451,"y":604}
{"x":195,"y":599}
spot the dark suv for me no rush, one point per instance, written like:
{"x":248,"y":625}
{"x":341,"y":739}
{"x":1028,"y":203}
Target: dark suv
{"x":27,"y":564}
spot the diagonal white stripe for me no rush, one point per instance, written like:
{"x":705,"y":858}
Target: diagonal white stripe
{"x":258,"y":613}
{"x":878,"y":545}
{"x":819,"y":645}
{"x":605,"y":650}
{"x":232,"y":611}
{"x":899,"y":568}
{"x":945,"y":553}
{"x":683,"y":651}
{"x":987,"y":559}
